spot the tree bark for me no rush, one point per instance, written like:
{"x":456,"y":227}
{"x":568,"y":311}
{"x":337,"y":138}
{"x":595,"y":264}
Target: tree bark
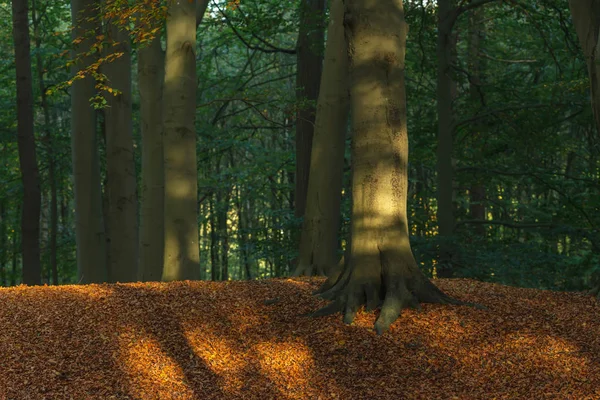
{"x":586,"y":18}
{"x":3,"y":244}
{"x":320,"y":228}
{"x":152,"y":218}
{"x":120,"y":164}
{"x":49,"y":141}
{"x":445,"y":207}
{"x":381,"y":269}
{"x":89,"y":219}
{"x":182,"y":258}
{"x":308,"y":75}
{"x":30,"y":218}
{"x":476,"y":31}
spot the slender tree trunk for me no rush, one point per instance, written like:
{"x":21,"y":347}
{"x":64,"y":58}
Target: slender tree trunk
{"x":16,"y":246}
{"x":318,"y":242}
{"x":476,"y":31}
{"x":152,"y":220}
{"x":445,"y":208}
{"x":222,"y":218}
{"x":214,"y":242}
{"x":89,"y":219}
{"x":30,"y":219}
{"x":381,"y":269}
{"x":49,"y":140}
{"x":3,"y":244}
{"x":309,"y":65}
{"x":120,"y":164}
{"x":182,"y":258}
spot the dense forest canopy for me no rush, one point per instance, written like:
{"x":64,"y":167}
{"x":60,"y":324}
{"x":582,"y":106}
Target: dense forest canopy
{"x":525,"y":152}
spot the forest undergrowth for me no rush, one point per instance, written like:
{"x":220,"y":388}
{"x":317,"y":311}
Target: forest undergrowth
{"x":249,"y":340}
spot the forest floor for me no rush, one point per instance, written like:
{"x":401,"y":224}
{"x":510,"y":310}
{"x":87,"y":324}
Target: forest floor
{"x":220,"y":340}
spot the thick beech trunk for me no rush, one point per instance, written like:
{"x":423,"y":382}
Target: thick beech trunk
{"x":319,"y":238}
{"x":152,"y":193}
{"x":120,"y":165}
{"x":30,"y":219}
{"x":182,"y":258}
{"x":381,"y":269}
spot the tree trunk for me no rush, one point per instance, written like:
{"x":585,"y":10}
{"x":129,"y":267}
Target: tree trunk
{"x":381,"y":269}
{"x":182,"y":258}
{"x":152,"y":221}
{"x":49,"y":140}
{"x":586,"y":18}
{"x":120,"y":164}
{"x":30,"y":219}
{"x":445,"y":208}
{"x":308,"y":75}
{"x":214,"y":241}
{"x":89,"y":219}
{"x":477,"y":189}
{"x":15,"y":252}
{"x":3,"y":245}
{"x":318,"y":242}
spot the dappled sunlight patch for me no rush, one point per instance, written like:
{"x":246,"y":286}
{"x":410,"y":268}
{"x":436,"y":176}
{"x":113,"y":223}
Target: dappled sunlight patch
{"x":148,"y":369}
{"x":288,"y":364}
{"x":220,"y":356}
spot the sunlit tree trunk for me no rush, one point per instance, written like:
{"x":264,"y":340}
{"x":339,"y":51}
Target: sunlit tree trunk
{"x":181,"y":259}
{"x":89,"y":222}
{"x":30,"y":219}
{"x":381,"y":269}
{"x":319,"y":238}
{"x":120,"y":165}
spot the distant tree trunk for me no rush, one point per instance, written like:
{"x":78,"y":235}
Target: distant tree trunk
{"x":381,"y":269}
{"x":3,"y":244}
{"x":222,"y":218}
{"x":182,"y":258}
{"x":152,"y":220}
{"x":49,"y":140}
{"x":476,"y":31}
{"x":30,"y":219}
{"x":586,"y":18}
{"x":120,"y":164}
{"x":445,"y":208}
{"x":308,"y":75}
{"x":89,"y":219}
{"x":318,"y":242}
{"x":214,"y":241}
{"x":16,"y":245}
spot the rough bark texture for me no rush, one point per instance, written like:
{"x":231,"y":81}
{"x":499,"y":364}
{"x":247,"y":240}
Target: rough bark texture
{"x":318,"y":241}
{"x":152,"y":217}
{"x":30,"y":218}
{"x":381,"y":269}
{"x":120,"y":165}
{"x":308,"y":75}
{"x":182,"y":258}
{"x":586,"y":18}
{"x":89,"y":222}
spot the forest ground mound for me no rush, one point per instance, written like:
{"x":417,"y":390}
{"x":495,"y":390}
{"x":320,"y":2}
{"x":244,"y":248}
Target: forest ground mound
{"x":226,"y":340}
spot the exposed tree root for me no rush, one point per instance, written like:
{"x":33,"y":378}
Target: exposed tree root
{"x":393,"y":285}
